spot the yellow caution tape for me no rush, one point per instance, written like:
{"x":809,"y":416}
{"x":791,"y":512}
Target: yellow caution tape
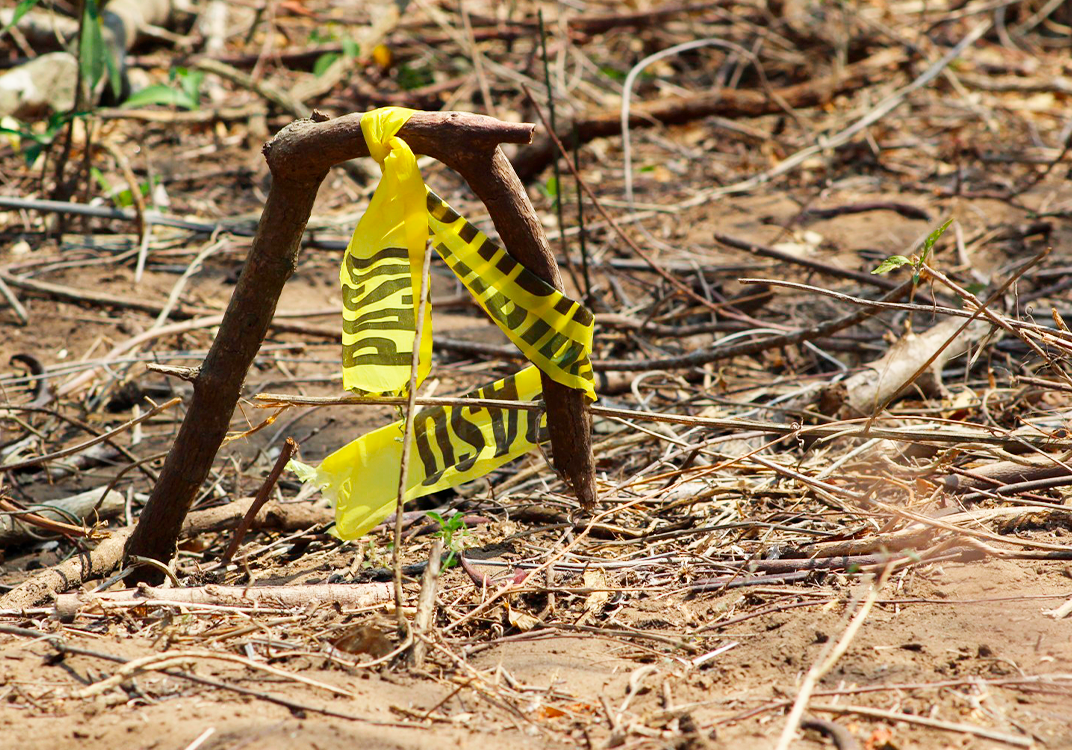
{"x":381,"y":271}
{"x":551,"y":330}
{"x":381,"y":280}
{"x":450,"y":445}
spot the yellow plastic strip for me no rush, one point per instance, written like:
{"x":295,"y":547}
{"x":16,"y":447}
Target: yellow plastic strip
{"x":380,"y":274}
{"x":551,"y":330}
{"x":451,"y":445}
{"x":380,"y":278}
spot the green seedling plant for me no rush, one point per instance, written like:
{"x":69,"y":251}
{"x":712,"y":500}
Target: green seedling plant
{"x":412,"y":77}
{"x":121,"y":196}
{"x":375,"y":557}
{"x":350,"y":51}
{"x":452,"y":533}
{"x":94,"y":60}
{"x":21,"y":10}
{"x":550,"y":190}
{"x":94,"y":57}
{"x":917,"y":262}
{"x":39,"y":139}
{"x":183,"y":91}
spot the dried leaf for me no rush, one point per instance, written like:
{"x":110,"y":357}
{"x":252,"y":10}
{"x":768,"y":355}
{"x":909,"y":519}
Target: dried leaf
{"x":520,"y":620}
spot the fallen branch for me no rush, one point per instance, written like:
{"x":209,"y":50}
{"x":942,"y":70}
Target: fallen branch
{"x":86,"y":378}
{"x":424,"y":620}
{"x":996,"y":476}
{"x":90,"y":506}
{"x":923,"y":721}
{"x":859,"y":277}
{"x":940,"y":433}
{"x":82,"y":295}
{"x":105,"y":436}
{"x":739,"y":103}
{"x":354,"y":596}
{"x":287,"y":452}
{"x":842,"y":562}
{"x":705,"y":356}
{"x":106,"y":556}
{"x":170,"y":659}
{"x":894,"y":373}
{"x":828,"y":658}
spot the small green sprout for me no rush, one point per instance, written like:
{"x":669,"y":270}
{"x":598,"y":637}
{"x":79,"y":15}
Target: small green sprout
{"x":451,"y":532}
{"x":896,"y":261}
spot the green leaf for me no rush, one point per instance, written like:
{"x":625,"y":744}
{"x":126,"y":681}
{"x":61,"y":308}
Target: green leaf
{"x":115,"y":78}
{"x":21,"y":10}
{"x":324,"y":62}
{"x":304,"y":472}
{"x":59,"y":120}
{"x":410,"y":78}
{"x":20,"y":132}
{"x":41,"y":141}
{"x":98,"y":177}
{"x":26,"y":141}
{"x":350,"y":48}
{"x":892,"y":262}
{"x":31,"y":153}
{"x":91,"y":51}
{"x":931,"y":239}
{"x":191,"y":86}
{"x":160,"y":94}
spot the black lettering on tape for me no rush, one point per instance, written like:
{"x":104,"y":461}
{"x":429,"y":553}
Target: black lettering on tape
{"x":432,"y":420}
{"x":489,"y":249}
{"x":553,"y":345}
{"x":571,"y":357}
{"x":534,"y":285}
{"x":357,"y":266}
{"x":505,"y":310}
{"x":503,"y":421}
{"x":353,"y":303}
{"x":583,"y":316}
{"x":384,"y":352}
{"x":535,"y":332}
{"x":536,"y":427}
{"x":468,"y":433}
{"x":467,"y":232}
{"x":388,"y":319}
{"x":439,"y":209}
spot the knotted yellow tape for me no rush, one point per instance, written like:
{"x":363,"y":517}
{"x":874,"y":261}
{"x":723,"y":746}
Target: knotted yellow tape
{"x":380,"y":307}
{"x":381,"y":271}
{"x":381,"y":282}
{"x":551,"y":330}
{"x":451,"y":445}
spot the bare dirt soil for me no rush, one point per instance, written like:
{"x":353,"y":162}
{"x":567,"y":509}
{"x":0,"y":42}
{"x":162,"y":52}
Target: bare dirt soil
{"x":687,"y":609}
